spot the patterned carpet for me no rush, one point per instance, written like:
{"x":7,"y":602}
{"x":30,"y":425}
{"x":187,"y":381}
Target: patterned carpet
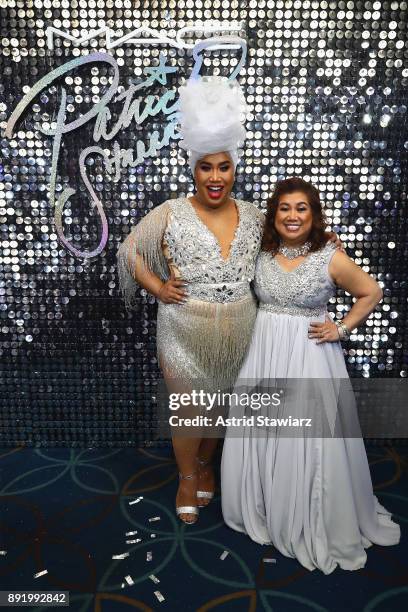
{"x":67,"y":511}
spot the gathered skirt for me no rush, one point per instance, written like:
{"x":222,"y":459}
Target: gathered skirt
{"x":311,"y":497}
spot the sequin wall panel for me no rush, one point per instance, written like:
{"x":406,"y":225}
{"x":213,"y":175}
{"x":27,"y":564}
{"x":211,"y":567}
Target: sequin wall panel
{"x":326,"y":87}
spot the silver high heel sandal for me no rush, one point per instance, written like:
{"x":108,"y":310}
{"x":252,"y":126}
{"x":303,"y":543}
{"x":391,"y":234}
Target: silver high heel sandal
{"x":187,"y":509}
{"x":204,"y":494}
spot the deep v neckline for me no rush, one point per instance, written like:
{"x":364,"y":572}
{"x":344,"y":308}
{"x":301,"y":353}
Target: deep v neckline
{"x":205,"y":226}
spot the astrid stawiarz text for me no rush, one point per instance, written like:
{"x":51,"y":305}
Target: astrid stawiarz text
{"x":245,"y":421}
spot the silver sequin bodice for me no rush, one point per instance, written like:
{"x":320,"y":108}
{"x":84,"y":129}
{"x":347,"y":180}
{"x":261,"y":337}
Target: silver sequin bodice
{"x":196,"y":252}
{"x":303,"y":291}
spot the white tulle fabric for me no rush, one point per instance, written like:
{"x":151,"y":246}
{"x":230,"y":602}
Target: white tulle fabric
{"x":211,"y":115}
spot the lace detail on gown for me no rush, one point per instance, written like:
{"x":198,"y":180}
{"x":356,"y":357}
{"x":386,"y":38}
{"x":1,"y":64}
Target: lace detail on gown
{"x":303,"y":291}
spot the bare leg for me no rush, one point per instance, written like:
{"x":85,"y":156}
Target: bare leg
{"x":206,"y":479}
{"x":207,"y":448}
{"x":185,"y":451}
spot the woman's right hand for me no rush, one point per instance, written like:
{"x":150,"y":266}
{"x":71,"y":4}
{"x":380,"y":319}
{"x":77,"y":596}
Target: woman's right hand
{"x":172,"y":291}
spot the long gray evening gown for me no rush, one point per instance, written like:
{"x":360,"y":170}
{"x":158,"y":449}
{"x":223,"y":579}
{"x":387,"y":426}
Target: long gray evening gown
{"x":311,"y":497}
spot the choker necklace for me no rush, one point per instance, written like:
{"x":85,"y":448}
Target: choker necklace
{"x":293,"y":252}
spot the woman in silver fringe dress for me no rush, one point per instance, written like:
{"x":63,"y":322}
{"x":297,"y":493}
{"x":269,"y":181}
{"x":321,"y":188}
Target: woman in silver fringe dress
{"x":205,"y":335}
{"x":208,"y":244}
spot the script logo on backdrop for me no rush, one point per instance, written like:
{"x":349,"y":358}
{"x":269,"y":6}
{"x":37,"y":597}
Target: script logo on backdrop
{"x":136,"y":109}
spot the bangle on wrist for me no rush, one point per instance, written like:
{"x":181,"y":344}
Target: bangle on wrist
{"x":344,"y":332}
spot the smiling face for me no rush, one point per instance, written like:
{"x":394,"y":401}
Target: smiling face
{"x":294,"y":218}
{"x":214,"y":177}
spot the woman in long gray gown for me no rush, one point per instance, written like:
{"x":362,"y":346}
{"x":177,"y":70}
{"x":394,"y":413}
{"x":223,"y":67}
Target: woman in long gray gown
{"x":311,"y":497}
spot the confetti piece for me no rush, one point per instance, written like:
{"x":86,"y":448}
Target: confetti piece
{"x":133,"y":541}
{"x":3,"y":553}
{"x":149,"y":556}
{"x":154,"y":518}
{"x":123,"y":585}
{"x":129,"y":580}
{"x":159,"y":596}
{"x":154,"y":579}
{"x":135,"y":501}
{"x":152,"y":535}
{"x":269,"y":560}
{"x":224,"y":555}
{"x":129,"y":533}
{"x":40,"y":573}
{"x":121,"y":556}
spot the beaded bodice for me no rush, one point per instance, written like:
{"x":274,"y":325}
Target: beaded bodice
{"x":303,"y":291}
{"x":195,"y":252}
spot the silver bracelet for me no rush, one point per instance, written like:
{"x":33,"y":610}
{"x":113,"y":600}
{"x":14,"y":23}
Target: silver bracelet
{"x":344,"y":332}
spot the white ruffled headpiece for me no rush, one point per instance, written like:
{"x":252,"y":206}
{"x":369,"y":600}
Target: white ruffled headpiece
{"x":211,"y":115}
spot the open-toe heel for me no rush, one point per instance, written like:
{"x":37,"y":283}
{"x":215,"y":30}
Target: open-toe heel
{"x":187,"y":509}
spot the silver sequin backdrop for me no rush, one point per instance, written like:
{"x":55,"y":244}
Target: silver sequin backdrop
{"x":326,"y":87}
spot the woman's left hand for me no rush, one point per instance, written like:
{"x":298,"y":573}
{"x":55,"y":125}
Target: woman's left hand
{"x":324,"y":332}
{"x":333,"y":237}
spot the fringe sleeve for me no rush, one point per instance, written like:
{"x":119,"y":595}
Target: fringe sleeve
{"x":144,"y":239}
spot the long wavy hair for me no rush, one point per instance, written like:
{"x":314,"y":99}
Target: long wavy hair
{"x":271,"y":239}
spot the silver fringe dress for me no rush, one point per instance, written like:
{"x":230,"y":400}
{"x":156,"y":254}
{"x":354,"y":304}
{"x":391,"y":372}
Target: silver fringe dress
{"x":205,"y":338}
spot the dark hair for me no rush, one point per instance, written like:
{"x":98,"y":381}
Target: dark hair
{"x":317,"y":236}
